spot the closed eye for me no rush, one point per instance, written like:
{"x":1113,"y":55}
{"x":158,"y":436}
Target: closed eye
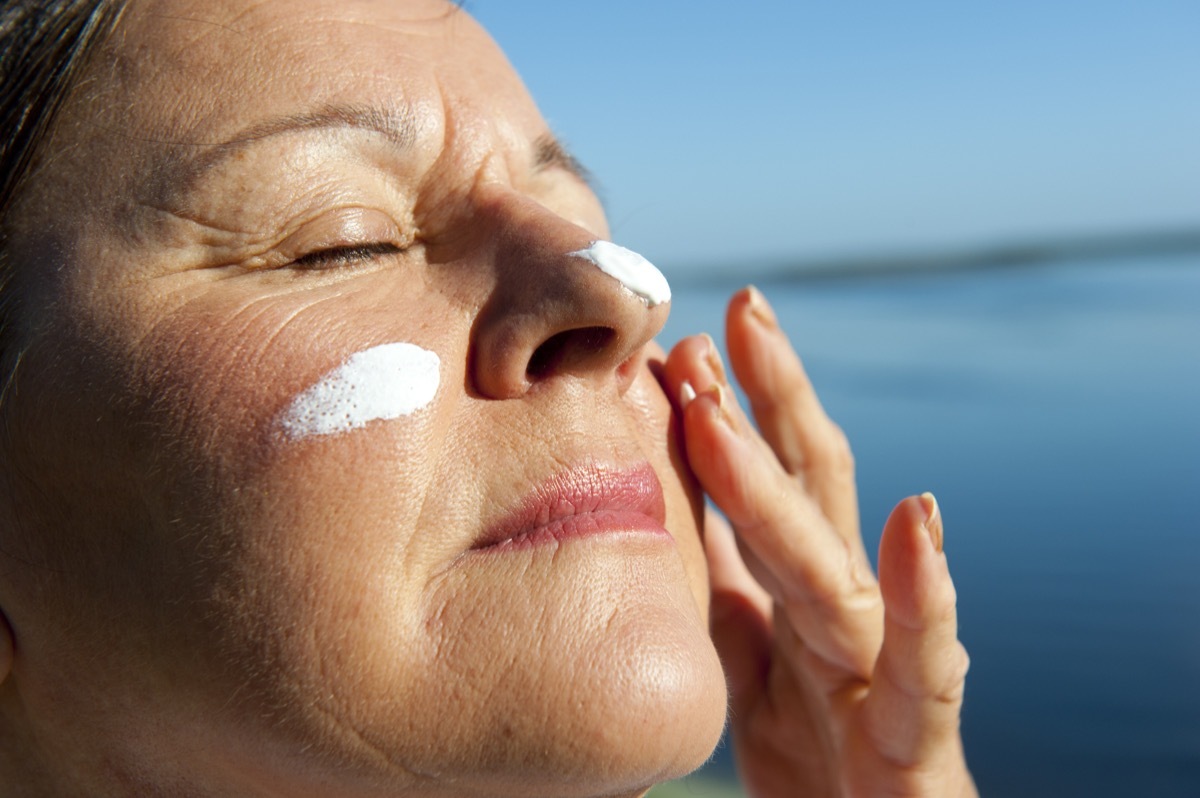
{"x":335,"y":257}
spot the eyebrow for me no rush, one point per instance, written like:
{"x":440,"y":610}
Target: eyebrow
{"x":397,"y":125}
{"x":549,"y":152}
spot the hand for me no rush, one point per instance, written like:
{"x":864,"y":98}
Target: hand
{"x":840,"y":685}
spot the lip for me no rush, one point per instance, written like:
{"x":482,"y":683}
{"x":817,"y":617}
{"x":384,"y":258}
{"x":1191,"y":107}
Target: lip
{"x":582,"y":502}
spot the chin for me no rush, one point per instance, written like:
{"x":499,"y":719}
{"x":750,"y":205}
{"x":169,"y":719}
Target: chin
{"x":559,"y":670}
{"x":652,"y":714}
{"x":573,"y":674}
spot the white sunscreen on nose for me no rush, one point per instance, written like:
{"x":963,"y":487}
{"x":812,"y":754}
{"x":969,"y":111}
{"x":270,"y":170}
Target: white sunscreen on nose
{"x":383,"y":382}
{"x":631,"y":269}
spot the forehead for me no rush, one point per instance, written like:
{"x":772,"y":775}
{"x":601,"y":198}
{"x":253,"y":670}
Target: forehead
{"x":187,"y":67}
{"x":179,"y":78}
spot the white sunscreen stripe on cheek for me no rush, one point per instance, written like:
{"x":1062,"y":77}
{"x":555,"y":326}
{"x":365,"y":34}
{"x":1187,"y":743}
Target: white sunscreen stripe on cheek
{"x":632,"y":270}
{"x":384,"y":382}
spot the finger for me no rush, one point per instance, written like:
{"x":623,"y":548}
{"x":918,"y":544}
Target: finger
{"x":740,"y":615}
{"x":831,"y":600}
{"x":726,"y":569}
{"x":910,"y":717}
{"x":744,"y":636}
{"x":788,"y":412}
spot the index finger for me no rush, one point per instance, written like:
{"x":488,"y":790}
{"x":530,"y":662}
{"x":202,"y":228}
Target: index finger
{"x":788,"y":412}
{"x":829,"y":597}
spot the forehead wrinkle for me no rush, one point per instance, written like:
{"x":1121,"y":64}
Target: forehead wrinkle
{"x":241,"y":21}
{"x":176,"y":177}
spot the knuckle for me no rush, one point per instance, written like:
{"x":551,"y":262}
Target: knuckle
{"x":940,"y":679}
{"x":832,"y":587}
{"x":944,"y":614}
{"x":962,"y":664}
{"x":840,"y":452}
{"x":953,"y":685}
{"x":951,"y":696}
{"x":831,"y":452}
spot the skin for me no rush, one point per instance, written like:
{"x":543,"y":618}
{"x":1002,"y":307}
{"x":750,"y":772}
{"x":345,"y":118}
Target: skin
{"x":194,"y":605}
{"x":841,"y":684}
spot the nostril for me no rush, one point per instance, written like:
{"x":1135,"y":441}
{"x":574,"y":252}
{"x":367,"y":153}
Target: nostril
{"x":563,"y":350}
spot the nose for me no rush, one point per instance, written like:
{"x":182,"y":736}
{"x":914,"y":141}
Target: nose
{"x":553,"y":312}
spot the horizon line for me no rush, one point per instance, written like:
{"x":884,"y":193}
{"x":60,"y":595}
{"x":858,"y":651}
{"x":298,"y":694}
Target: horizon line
{"x":1020,"y":252}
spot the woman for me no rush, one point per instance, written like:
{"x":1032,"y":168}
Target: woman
{"x":339,"y":458}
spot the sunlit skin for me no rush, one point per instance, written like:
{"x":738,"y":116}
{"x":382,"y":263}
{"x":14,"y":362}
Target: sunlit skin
{"x":240,"y":197}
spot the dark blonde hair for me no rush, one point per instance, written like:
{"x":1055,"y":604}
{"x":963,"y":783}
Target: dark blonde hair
{"x":44,"y":45}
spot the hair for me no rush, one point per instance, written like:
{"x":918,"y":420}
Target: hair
{"x":44,"y":46}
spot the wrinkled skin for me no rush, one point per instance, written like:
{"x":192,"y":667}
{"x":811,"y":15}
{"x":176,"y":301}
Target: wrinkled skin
{"x":238,"y":198}
{"x":841,"y":684}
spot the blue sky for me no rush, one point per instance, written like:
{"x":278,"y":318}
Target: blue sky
{"x":760,"y":130}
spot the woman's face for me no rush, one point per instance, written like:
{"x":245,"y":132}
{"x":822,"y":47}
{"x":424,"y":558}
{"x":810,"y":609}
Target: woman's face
{"x":241,"y":198}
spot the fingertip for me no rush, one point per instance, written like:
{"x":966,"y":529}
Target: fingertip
{"x":719,"y":454}
{"x":933,"y":519}
{"x":913,"y":574}
{"x":676,"y":358}
{"x":708,"y":432}
{"x":712,"y":359}
{"x":742,"y":298}
{"x":686,"y":394}
{"x":743,"y":319}
{"x":750,"y":303}
{"x":915,"y":521}
{"x":695,"y":360}
{"x":679,"y":367}
{"x":760,"y":309}
{"x":917,"y":688}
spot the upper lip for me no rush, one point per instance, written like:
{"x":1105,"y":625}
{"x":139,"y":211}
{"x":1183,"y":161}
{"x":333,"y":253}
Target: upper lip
{"x":590,"y":490}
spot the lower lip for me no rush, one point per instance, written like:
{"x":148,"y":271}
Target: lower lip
{"x":606,"y":523}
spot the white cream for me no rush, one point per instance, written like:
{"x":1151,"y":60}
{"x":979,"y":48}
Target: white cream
{"x":383,"y":382}
{"x":631,"y":269}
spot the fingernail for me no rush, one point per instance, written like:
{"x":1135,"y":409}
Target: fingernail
{"x":713,"y":357}
{"x":718,"y":394}
{"x":686,"y":394}
{"x":760,"y":309}
{"x":933,"y":520}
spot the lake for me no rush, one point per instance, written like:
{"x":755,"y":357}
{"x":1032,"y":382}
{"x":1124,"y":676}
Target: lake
{"x":1055,"y":412}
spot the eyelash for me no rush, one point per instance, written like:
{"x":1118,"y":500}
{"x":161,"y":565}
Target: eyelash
{"x":336,"y":257}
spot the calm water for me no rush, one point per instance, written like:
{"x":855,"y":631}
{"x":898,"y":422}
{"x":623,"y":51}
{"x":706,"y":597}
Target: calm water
{"x":1055,"y":412}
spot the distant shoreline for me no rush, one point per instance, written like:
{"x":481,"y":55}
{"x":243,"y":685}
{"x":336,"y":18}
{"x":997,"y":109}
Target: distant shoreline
{"x":1026,"y":253}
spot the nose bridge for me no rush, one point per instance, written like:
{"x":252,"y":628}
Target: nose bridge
{"x":533,"y":239}
{"x":553,"y":311}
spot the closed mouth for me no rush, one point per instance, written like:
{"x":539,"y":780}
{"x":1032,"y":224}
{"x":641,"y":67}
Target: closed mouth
{"x":581,"y":502}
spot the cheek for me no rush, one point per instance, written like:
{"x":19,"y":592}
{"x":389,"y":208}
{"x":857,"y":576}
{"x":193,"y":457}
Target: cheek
{"x":308,"y":471}
{"x":383,"y":383}
{"x":305,"y":448}
{"x":317,"y":556}
{"x":299,"y":453}
{"x":240,"y":385}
